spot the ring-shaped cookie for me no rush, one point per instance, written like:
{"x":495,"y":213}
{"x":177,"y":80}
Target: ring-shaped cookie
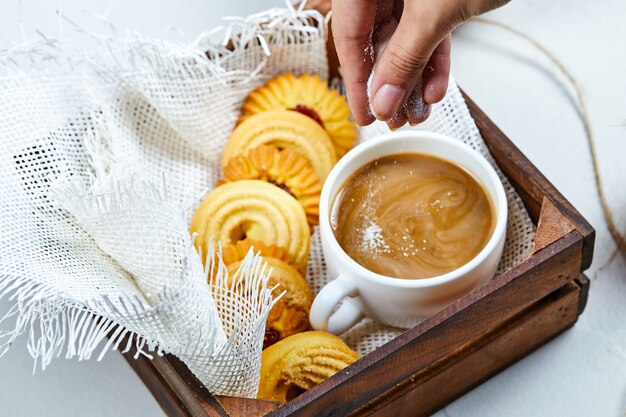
{"x":300,"y":362}
{"x":310,"y":95}
{"x":285,"y":168}
{"x":286,"y":130}
{"x":253,"y":209}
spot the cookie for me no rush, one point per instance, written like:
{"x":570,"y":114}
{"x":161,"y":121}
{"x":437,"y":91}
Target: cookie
{"x":257,"y":210}
{"x":300,"y":362}
{"x":309,"y":95}
{"x":286,"y":169}
{"x":290,"y":314}
{"x":237,"y":251}
{"x":286,"y":130}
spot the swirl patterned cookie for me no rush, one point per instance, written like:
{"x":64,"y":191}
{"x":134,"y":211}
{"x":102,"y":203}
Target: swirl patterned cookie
{"x":257,"y":210}
{"x":300,"y":362}
{"x":286,"y":169}
{"x":285,"y":130}
{"x":309,"y":95}
{"x":235,"y":252}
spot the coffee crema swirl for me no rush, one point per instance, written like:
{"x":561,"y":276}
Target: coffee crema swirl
{"x":412,"y":216}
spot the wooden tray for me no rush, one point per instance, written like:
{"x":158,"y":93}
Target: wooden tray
{"x":445,"y":356}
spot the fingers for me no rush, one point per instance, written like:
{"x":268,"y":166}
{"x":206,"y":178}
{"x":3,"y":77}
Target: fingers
{"x":417,"y":110}
{"x":398,"y":120}
{"x":400,"y":66}
{"x":437,"y":73}
{"x":413,"y":70}
{"x":352,"y":24}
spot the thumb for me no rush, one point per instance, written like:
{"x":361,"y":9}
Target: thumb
{"x":399,"y":68}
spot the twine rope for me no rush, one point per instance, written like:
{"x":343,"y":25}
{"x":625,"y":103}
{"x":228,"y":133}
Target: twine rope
{"x":619,"y":239}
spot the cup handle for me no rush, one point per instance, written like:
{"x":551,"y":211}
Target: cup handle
{"x":348,"y":314}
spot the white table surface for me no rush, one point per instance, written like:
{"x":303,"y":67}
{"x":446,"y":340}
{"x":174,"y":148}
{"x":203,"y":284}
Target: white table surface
{"x":582,"y":372}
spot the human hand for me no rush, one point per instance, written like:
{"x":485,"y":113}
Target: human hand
{"x":407,"y":45}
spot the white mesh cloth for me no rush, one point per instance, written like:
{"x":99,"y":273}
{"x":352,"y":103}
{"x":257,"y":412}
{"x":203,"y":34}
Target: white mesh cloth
{"x":103,"y":158}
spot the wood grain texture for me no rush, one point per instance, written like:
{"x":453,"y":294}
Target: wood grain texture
{"x":480,"y":358}
{"x":157,"y":383}
{"x":552,"y":226}
{"x":246,"y":407}
{"x":194,"y":390}
{"x":485,"y":355}
{"x":583,"y":282}
{"x":172,"y":387}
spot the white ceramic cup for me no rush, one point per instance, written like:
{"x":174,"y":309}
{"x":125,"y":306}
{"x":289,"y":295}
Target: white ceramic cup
{"x":393,"y":301}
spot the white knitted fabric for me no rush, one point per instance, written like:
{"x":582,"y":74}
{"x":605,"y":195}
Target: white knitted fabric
{"x":103,"y":158}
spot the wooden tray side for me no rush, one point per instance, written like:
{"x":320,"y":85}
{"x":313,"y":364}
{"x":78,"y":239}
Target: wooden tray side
{"x":416,"y":349}
{"x":432,"y":388}
{"x":422,"y":393}
{"x":174,"y":386}
{"x":158,"y":384}
{"x":530,"y":183}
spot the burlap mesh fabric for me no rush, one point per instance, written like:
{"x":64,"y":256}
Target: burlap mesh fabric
{"x":103,"y":158}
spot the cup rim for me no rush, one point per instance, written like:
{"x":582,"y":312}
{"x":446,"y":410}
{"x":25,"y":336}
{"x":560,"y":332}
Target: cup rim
{"x":500,"y":199}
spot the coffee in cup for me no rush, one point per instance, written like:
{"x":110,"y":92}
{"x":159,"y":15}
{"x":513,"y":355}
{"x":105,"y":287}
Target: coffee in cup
{"x":412,"y":216}
{"x":464,"y":239}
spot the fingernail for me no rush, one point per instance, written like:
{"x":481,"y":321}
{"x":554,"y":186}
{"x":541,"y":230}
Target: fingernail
{"x":387,"y":101}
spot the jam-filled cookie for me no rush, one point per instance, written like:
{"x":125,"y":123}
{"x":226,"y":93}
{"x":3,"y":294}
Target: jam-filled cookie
{"x":290,"y":314}
{"x":253,"y":209}
{"x":286,"y":130}
{"x":309,"y":95}
{"x":285,"y":168}
{"x":300,"y":362}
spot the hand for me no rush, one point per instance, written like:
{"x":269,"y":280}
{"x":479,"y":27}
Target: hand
{"x":412,"y":71}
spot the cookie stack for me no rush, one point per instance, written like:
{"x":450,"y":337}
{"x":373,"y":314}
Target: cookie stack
{"x":290,"y":134}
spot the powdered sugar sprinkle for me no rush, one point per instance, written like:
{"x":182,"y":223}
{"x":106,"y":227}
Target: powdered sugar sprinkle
{"x":373,"y":239}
